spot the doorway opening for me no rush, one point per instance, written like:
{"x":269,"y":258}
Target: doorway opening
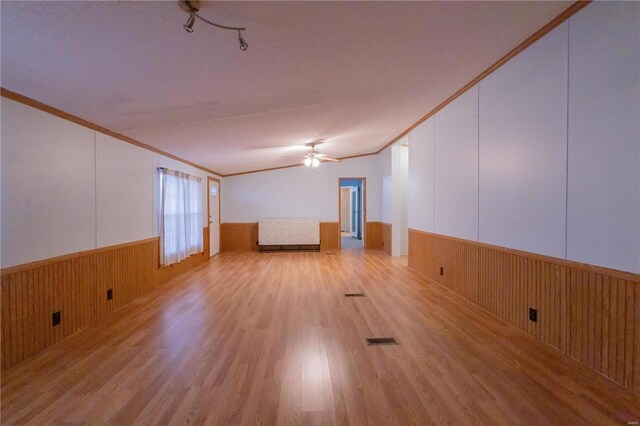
{"x":351,"y":204}
{"x":213,"y":208}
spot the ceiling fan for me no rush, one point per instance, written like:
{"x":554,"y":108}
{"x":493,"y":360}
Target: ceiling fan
{"x":313,"y":157}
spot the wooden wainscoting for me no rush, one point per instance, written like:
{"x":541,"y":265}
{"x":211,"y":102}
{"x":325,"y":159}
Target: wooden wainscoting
{"x":76,"y":285}
{"x":386,"y":238}
{"x":239,"y":236}
{"x":329,"y":236}
{"x":587,"y":312}
{"x":244,"y":236}
{"x":129,"y":271}
{"x":373,"y":235}
{"x":421,"y":253}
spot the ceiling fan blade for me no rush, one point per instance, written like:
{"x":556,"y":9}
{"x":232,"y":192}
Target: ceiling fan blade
{"x":314,"y":143}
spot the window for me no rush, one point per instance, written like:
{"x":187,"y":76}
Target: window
{"x":180,"y":216}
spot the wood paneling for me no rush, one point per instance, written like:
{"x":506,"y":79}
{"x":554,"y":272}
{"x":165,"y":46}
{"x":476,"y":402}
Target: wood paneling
{"x":205,"y":240}
{"x":509,"y":284}
{"x":603,"y":319}
{"x":421,"y":254}
{"x":386,"y":243}
{"x":590,"y":313}
{"x":373,"y":235}
{"x":455,"y":267}
{"x":239,"y":236}
{"x":76,"y":285}
{"x":30,"y":297}
{"x":244,"y":236}
{"x":129,"y":272}
{"x":329,"y":236}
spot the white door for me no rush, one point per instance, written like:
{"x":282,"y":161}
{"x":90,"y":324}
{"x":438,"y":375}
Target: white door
{"x":214,"y":217}
{"x":355,"y":211}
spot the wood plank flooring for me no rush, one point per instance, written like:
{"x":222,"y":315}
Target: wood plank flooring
{"x":251,"y":338}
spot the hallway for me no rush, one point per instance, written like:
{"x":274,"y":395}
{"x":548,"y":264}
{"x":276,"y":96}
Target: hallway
{"x":347,"y":242}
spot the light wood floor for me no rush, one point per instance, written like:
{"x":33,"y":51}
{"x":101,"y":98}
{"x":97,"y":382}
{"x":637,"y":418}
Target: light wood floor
{"x":270,"y":338}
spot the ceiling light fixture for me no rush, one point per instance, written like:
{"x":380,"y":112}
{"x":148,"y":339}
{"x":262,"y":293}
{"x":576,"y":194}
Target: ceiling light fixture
{"x":190,"y":22}
{"x":312,"y":161}
{"x":192,"y":7}
{"x":313,"y":157}
{"x":243,"y":44}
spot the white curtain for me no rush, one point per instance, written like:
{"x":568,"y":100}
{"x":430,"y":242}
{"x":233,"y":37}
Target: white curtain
{"x":180,"y":216}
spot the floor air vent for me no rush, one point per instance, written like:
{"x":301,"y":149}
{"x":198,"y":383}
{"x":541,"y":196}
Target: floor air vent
{"x":355,"y":295}
{"x":329,"y":253}
{"x":374,"y":341}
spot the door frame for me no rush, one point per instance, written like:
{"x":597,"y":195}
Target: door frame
{"x":342,"y":193}
{"x":355,"y":219}
{"x":364,"y":207}
{"x":209,"y":179}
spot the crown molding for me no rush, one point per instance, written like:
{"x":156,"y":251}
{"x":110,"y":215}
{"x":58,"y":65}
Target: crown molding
{"x":6,"y":93}
{"x":555,"y":22}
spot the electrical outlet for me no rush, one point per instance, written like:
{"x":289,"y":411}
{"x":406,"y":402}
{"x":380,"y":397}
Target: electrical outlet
{"x":110,"y":294}
{"x":55,"y":318}
{"x":533,"y":314}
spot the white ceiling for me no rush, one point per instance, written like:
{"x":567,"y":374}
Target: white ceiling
{"x":355,"y":74}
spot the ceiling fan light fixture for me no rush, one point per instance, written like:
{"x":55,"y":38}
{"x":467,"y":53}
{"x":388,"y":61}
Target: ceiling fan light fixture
{"x":315,"y":162}
{"x":307,"y":161}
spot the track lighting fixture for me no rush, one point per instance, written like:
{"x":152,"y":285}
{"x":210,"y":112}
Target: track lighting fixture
{"x":192,"y":7}
{"x":190,"y":22}
{"x":243,"y":44}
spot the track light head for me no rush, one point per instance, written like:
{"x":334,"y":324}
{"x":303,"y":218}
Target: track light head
{"x":243,"y":44}
{"x":190,"y":22}
{"x":192,"y":7}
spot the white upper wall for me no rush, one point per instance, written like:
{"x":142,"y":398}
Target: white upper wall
{"x":523,"y":149}
{"x":66,"y":188}
{"x":604,"y":136}
{"x":386,"y":199}
{"x":48,"y":185}
{"x":401,"y":201}
{"x":393,"y":163}
{"x":124,"y":182}
{"x":298,"y":192}
{"x":558,"y":174}
{"x":456,"y":167}
{"x":421,"y":184}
